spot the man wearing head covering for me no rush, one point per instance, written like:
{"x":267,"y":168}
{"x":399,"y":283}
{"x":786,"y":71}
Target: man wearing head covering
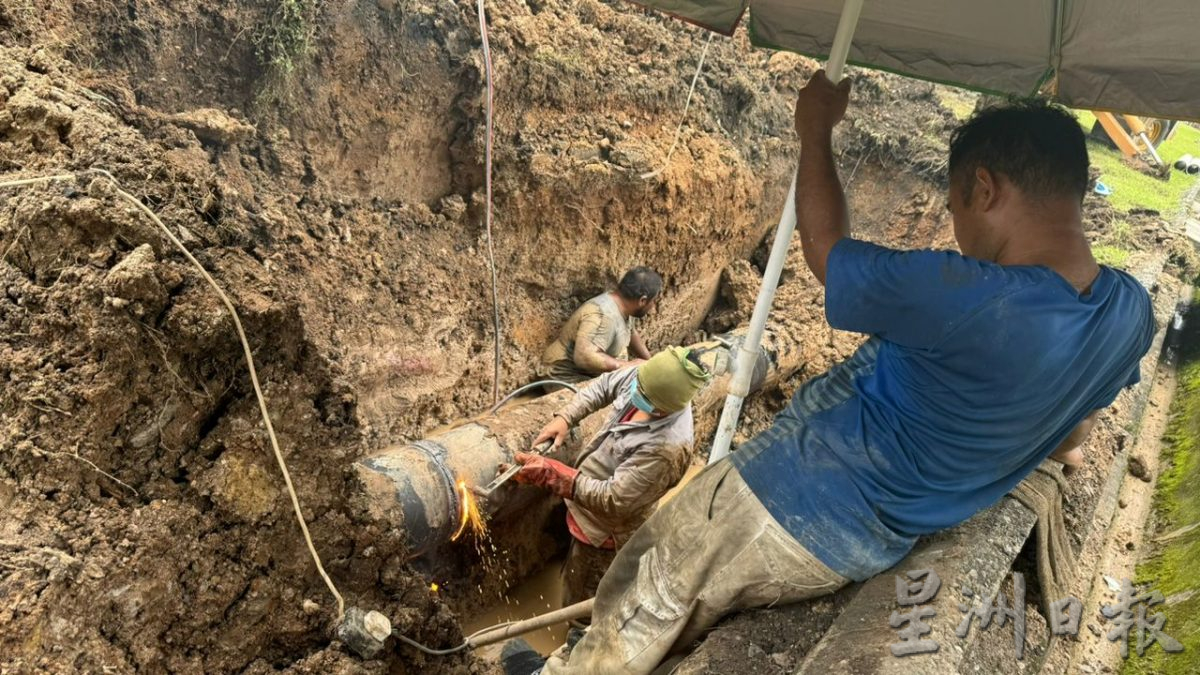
{"x":641,"y":452}
{"x":599,"y":336}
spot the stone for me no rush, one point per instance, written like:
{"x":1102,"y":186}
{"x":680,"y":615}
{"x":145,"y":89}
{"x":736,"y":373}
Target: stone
{"x":1138,"y":469}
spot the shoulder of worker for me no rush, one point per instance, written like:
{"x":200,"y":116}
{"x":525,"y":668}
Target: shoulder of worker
{"x":875,"y":289}
{"x":1137,"y":298}
{"x":859,"y":258}
{"x":676,"y":429}
{"x":601,"y":308}
{"x":619,"y":382}
{"x":602,"y":300}
{"x":606,"y":303}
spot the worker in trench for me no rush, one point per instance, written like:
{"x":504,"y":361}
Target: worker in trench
{"x":641,"y":452}
{"x":600,"y":337}
{"x":979,"y":365}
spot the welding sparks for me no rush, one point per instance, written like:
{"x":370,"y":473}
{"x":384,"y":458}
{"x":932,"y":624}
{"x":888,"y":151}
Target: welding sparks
{"x":469,"y":515}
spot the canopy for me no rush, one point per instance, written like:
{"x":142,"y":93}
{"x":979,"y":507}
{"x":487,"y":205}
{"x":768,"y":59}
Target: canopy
{"x":1119,"y":55}
{"x":1126,"y":56}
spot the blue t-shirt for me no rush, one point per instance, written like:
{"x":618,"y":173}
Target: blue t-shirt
{"x":974,"y":373}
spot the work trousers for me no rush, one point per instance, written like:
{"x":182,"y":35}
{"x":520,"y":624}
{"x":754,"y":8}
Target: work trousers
{"x":582,"y":572}
{"x":710,"y":551}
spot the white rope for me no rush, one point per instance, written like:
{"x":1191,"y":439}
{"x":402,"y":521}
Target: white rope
{"x":686,"y":106}
{"x":237,"y":323}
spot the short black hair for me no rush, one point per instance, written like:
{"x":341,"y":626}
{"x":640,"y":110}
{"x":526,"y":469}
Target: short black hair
{"x":640,"y":282}
{"x":1037,"y":145}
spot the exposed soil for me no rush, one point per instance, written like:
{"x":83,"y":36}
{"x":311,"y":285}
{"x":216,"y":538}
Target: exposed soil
{"x":333,"y":187}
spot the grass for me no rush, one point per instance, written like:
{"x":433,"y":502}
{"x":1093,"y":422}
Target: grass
{"x":1173,"y":569}
{"x":571,"y":63}
{"x":960,"y":102}
{"x":284,"y":42}
{"x":1133,"y":189}
{"x":1112,"y":256}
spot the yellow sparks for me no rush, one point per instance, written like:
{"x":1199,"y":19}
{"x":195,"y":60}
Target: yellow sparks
{"x":433,"y":587}
{"x":469,"y":513}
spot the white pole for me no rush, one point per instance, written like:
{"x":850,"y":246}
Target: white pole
{"x":739,"y":386}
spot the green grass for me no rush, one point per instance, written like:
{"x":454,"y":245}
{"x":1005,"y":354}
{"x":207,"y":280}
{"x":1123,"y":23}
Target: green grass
{"x":1112,"y":256}
{"x":1086,"y":119}
{"x":1133,"y":189}
{"x":1173,"y":569}
{"x":960,"y":102}
{"x":283,"y":45}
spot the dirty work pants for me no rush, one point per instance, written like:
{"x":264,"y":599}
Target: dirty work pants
{"x":710,"y":551}
{"x":582,"y":572}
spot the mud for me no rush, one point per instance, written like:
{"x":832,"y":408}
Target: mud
{"x":326,"y":167}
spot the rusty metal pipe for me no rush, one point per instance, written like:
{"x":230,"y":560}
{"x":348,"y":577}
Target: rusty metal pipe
{"x":422,"y":486}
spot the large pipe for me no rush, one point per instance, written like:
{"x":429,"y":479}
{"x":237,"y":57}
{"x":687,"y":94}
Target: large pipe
{"x":422,"y":487}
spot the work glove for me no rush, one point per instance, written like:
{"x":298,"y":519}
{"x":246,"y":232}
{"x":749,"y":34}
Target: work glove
{"x":548,"y":473}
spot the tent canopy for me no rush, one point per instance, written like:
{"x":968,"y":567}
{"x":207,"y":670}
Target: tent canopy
{"x":1119,"y":55}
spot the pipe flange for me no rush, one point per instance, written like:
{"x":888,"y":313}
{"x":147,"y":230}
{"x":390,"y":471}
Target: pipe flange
{"x":438,"y":455}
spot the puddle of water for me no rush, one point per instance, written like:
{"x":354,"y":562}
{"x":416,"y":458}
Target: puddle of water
{"x":539,"y":594}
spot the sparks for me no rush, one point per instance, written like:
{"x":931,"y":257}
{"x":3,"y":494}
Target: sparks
{"x":469,"y":513}
{"x":433,"y":587}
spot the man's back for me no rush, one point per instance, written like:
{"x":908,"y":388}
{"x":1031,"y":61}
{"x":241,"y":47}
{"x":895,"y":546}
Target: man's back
{"x":975,"y":374}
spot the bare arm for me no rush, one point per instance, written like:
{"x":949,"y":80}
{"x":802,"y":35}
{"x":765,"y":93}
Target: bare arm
{"x":637,"y":348}
{"x":822,"y":218}
{"x":592,"y":359}
{"x":1068,"y":451}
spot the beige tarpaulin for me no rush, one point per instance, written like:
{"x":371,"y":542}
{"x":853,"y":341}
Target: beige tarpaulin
{"x":1133,"y":56}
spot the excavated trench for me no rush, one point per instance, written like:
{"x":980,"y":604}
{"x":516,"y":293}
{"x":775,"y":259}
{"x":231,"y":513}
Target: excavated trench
{"x":325,"y":163}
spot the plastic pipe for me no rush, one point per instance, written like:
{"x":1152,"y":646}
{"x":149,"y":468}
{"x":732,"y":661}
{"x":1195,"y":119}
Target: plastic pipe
{"x":570,"y":613}
{"x":739,"y":387}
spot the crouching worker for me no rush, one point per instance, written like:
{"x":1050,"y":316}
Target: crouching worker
{"x":600,"y":337}
{"x":641,"y":452}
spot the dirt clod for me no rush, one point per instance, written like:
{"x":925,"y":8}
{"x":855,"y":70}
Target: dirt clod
{"x":1138,"y":469}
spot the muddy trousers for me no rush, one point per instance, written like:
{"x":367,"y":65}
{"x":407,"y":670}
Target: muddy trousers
{"x":582,"y":572}
{"x":710,"y":551}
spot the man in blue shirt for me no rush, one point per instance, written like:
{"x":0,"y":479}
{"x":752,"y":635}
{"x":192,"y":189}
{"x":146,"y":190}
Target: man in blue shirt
{"x":979,"y":365}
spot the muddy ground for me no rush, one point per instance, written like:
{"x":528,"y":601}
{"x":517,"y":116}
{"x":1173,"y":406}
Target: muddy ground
{"x":324,"y":162}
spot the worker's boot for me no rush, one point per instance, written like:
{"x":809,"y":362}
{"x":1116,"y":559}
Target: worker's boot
{"x":518,"y":658}
{"x":574,"y":634}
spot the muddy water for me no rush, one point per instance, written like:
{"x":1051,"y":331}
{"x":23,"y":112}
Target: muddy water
{"x":539,"y":594}
{"x":536,"y":595}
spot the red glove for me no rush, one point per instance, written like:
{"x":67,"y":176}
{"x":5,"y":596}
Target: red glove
{"x":548,"y":473}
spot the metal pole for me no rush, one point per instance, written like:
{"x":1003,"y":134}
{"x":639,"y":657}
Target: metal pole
{"x":739,"y":386}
